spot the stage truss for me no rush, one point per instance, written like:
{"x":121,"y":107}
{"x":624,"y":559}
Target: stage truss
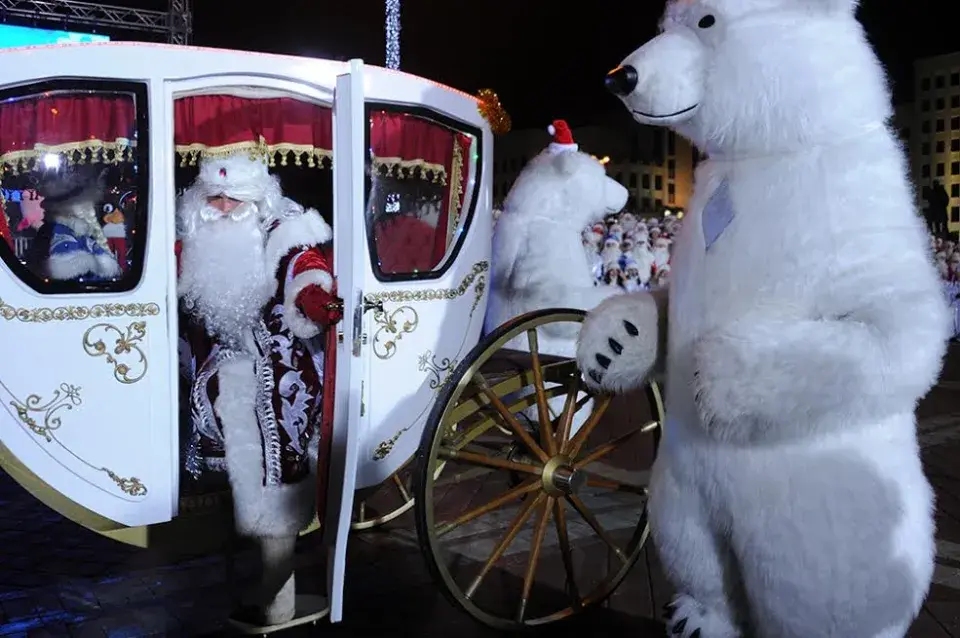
{"x":176,"y":23}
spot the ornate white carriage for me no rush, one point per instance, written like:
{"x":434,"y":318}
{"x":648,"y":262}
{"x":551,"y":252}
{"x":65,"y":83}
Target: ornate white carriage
{"x":89,"y":373}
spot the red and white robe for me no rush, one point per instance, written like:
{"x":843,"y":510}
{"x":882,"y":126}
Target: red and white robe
{"x":259,"y":415}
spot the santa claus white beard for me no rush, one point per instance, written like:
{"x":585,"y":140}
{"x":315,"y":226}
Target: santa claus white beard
{"x":224,"y":280}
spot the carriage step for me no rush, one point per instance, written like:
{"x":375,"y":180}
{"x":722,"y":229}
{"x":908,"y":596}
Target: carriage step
{"x":310,"y":609}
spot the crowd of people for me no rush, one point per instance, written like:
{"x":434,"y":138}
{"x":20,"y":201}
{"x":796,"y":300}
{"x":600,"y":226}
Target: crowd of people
{"x":629,"y":251}
{"x":946,"y":255}
{"x":634,"y":253}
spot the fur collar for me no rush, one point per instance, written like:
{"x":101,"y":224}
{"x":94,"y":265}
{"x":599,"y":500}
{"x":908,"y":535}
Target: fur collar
{"x":301,"y":231}
{"x":77,"y":225}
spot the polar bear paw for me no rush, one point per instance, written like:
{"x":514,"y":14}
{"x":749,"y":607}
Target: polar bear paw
{"x":686,"y":618}
{"x":618,"y":343}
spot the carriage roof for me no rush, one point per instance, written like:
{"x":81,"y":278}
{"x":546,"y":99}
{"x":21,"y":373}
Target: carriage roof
{"x":169,"y":61}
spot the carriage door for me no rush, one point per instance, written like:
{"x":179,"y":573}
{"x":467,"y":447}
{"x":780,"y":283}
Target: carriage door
{"x":86,"y":362}
{"x":427,"y":234}
{"x":340,"y":483}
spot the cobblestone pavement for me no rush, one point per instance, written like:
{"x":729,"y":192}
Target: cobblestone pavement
{"x":57,"y":579}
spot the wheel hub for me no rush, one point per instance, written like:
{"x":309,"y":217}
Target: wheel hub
{"x":560,"y":478}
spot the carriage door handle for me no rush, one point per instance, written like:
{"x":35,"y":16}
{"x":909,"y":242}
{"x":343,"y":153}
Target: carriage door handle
{"x":359,"y":309}
{"x":372,"y":305}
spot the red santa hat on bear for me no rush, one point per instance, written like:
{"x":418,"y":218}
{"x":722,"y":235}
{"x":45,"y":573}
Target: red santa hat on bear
{"x":562,"y":137}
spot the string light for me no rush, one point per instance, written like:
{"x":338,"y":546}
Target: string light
{"x":393,"y":33}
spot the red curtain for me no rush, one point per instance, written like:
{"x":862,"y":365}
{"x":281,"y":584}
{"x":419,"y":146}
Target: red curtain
{"x":66,"y":123}
{"x":5,"y":224}
{"x":458,"y":186}
{"x":406,"y":144}
{"x":289,"y":129}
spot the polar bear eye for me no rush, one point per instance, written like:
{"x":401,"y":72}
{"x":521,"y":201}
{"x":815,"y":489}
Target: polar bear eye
{"x":707,"y":21}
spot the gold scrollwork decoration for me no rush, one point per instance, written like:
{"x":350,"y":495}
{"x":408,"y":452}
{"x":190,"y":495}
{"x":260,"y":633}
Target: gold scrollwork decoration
{"x":435,"y":294}
{"x":124,"y":343}
{"x":47,"y":422}
{"x":478,"y":291}
{"x":384,"y":448}
{"x":392,"y":326}
{"x":77,"y":313}
{"x":66,"y":398}
{"x":441,"y":370}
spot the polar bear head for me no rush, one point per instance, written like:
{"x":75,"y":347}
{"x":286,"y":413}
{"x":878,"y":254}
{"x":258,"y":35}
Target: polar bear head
{"x":569,"y":188}
{"x":756,"y":76}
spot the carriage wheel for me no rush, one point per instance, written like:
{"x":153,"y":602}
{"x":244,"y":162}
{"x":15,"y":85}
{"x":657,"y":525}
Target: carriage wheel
{"x":385,"y":502}
{"x":496,"y":511}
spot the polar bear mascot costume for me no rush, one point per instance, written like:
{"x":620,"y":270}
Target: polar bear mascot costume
{"x":538,"y":256}
{"x":788,"y":498}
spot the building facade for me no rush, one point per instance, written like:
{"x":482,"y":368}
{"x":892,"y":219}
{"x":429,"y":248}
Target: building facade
{"x":654,"y":164}
{"x":931,"y":128}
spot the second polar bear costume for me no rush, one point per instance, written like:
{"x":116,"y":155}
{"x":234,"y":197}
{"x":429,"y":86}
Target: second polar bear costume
{"x":804,"y":322}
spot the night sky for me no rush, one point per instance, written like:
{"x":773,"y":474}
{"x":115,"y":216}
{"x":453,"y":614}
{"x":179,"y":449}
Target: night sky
{"x":544,"y":63}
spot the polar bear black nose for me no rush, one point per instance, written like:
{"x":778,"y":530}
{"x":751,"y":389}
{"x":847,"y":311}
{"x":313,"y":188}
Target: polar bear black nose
{"x":622,"y":80}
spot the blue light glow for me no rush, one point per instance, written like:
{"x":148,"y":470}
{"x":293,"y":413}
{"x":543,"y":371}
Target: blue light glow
{"x":14,"y":36}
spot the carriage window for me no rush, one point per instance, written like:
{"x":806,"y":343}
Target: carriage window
{"x":73,"y":198}
{"x":422,"y":172}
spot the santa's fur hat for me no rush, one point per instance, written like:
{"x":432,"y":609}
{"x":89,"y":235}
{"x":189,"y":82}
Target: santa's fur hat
{"x":562,"y":137}
{"x":242,"y":176}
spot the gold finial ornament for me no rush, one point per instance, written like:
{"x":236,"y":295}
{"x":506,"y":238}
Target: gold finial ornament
{"x":493,"y":112}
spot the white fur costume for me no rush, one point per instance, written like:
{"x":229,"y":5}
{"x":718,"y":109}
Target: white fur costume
{"x":78,"y":248}
{"x":242,"y":274}
{"x":788,"y":498}
{"x":538,"y":256}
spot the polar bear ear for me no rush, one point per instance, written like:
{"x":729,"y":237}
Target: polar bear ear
{"x":839,"y":6}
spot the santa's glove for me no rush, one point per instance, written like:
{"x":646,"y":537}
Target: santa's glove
{"x":320,"y":306}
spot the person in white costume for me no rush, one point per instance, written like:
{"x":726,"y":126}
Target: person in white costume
{"x":256,"y":289}
{"x":78,"y":249}
{"x":557,"y":194}
{"x":661,"y":252}
{"x":805,"y":320}
{"x":645,"y":260}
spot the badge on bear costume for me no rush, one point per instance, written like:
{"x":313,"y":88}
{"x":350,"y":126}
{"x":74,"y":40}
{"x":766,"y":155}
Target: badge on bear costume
{"x":717,"y":214}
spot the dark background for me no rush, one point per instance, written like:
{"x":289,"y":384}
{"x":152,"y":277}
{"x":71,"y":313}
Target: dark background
{"x":545,"y":60}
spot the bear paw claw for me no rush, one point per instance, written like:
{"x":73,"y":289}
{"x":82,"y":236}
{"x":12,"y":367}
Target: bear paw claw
{"x":687,"y":618}
{"x":618,"y":361}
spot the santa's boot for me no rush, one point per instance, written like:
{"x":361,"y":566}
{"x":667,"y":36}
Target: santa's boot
{"x":274,"y":600}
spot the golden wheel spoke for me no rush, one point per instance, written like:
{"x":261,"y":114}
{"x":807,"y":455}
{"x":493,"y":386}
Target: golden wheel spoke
{"x":535,"y":546}
{"x":560,"y":520}
{"x":569,"y":411}
{"x":404,"y":494}
{"x":488,"y":461}
{"x":594,"y":480}
{"x":595,"y":524}
{"x":511,"y":421}
{"x":524,"y":488}
{"x":543,"y":408}
{"x":572,"y":447}
{"x":507,"y":473}
{"x":455,"y":478}
{"x":504,"y":543}
{"x":473,"y":434}
{"x":601,"y":451}
{"x":493,"y":449}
